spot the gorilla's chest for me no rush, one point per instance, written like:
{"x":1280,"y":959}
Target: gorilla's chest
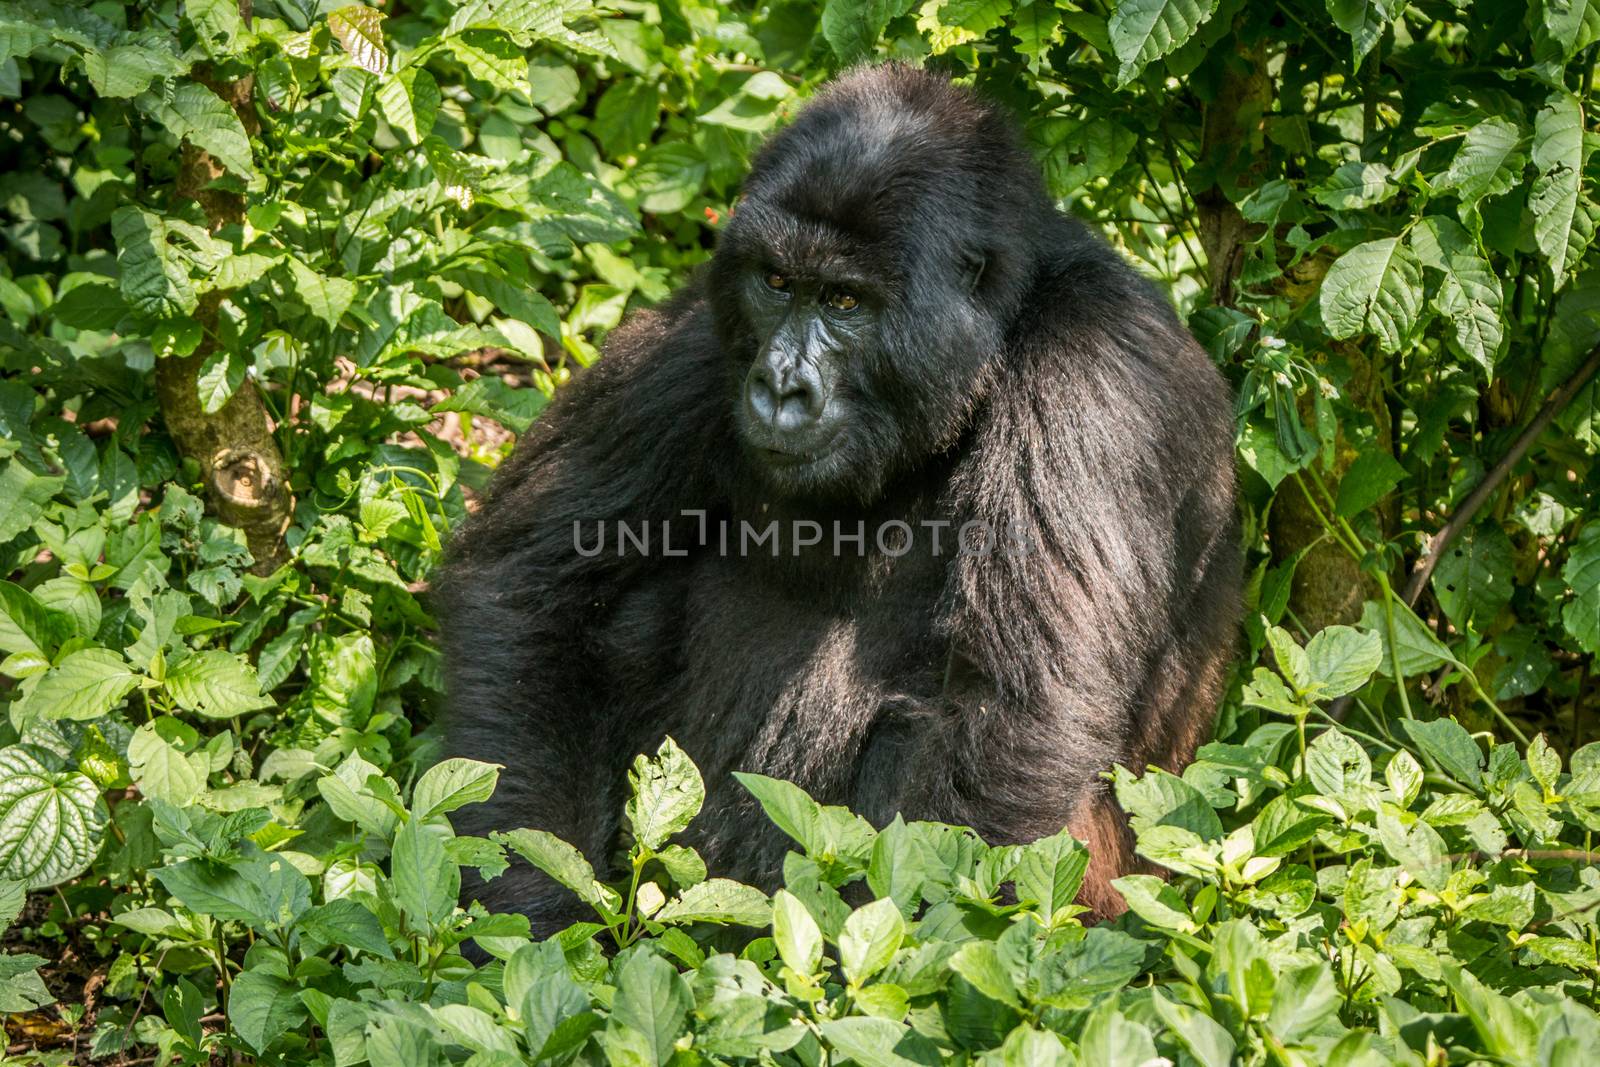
{"x":766,"y":675}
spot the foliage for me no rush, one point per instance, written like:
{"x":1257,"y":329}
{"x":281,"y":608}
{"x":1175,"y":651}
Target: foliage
{"x":394,"y":230}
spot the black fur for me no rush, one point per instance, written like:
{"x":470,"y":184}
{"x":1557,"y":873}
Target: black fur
{"x":1012,"y":370}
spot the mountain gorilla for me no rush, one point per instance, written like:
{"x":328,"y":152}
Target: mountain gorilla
{"x":918,"y":497}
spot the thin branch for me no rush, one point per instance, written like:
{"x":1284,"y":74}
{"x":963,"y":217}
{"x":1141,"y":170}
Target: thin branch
{"x":1475,"y":500}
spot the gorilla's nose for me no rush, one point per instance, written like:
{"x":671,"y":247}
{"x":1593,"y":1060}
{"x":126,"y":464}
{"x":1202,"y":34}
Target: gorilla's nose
{"x":785,"y":394}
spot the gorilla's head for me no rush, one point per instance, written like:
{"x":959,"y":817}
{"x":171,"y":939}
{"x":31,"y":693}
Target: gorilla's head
{"x":867,"y":279}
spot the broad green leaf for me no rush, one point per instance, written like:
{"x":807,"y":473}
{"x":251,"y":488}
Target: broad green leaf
{"x":1364,"y":21}
{"x":1581,"y":613}
{"x":196,"y":114}
{"x":1448,"y":742}
{"x":85,"y":685}
{"x":1143,"y":31}
{"x":25,"y":624}
{"x":796,"y":934}
{"x":359,"y":29}
{"x":1418,"y":848}
{"x":263,"y":1006}
{"x":327,"y":298}
{"x":669,"y":176}
{"x":1155,"y":901}
{"x":126,"y":70}
{"x":152,"y":278}
{"x":652,"y":999}
{"x":1368,"y":481}
{"x":1340,"y":659}
{"x":1205,"y":1039}
{"x":1375,"y":287}
{"x":871,"y":936}
{"x":1418,"y":649}
{"x":263,"y":892}
{"x":560,"y":861}
{"x":1474,"y":579}
{"x":1050,"y":872}
{"x":718,"y":900}
{"x":217,"y":684}
{"x":162,"y":768}
{"x":666,"y":794}
{"x":1563,"y":221}
{"x":1337,"y":765}
{"x":1488,"y":163}
{"x":1356,"y":185}
{"x":426,"y":883}
{"x":219,"y":378}
{"x":852,"y":27}
{"x":51,"y":822}
{"x":216,"y":24}
{"x":453,"y":784}
{"x":1471,"y":297}
{"x":880,"y":1043}
{"x":979,"y":963}
{"x":1305,"y":998}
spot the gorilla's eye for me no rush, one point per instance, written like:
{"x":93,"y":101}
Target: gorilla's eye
{"x":776,"y":281}
{"x":843,"y":301}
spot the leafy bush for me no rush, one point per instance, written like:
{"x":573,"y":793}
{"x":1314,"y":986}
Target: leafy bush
{"x":278,"y":285}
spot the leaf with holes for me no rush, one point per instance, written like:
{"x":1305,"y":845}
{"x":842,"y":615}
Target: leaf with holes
{"x":1473,"y":579}
{"x":51,"y":822}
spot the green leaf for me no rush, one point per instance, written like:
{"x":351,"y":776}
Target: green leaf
{"x":217,"y":684}
{"x":1375,"y":287}
{"x":359,"y":29}
{"x":1449,"y":742}
{"x":426,"y":883}
{"x":219,"y":378}
{"x":880,"y":1043}
{"x":126,"y":70}
{"x":1473,"y":580}
{"x":871,"y":936}
{"x":1488,"y":163}
{"x":263,"y":1007}
{"x":216,"y":24}
{"x":164,"y":768}
{"x":852,"y":27}
{"x":1563,"y":220}
{"x":263,"y":892}
{"x":979,"y":962}
{"x":1050,"y":872}
{"x":669,"y":176}
{"x":1142,"y":31}
{"x":85,"y":685}
{"x":51,"y":822}
{"x":1201,"y":1035}
{"x":1418,"y":848}
{"x":796,"y":934}
{"x":1581,"y":613}
{"x":1356,"y":185}
{"x":1471,"y":298}
{"x":1337,"y":764}
{"x":327,"y":298}
{"x":560,"y":861}
{"x":196,"y":114}
{"x":452,"y":784}
{"x":152,"y":279}
{"x":1368,"y":481}
{"x":25,"y":624}
{"x":666,"y":794}
{"x":1340,"y":659}
{"x":718,"y":900}
{"x":652,"y":999}
{"x":346,"y":923}
{"x":1155,"y":901}
{"x":1305,"y":998}
{"x":1364,"y":21}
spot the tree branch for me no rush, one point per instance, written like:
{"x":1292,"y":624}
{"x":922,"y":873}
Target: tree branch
{"x":1475,"y":500}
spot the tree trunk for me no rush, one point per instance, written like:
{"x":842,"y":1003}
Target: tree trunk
{"x":240,"y":464}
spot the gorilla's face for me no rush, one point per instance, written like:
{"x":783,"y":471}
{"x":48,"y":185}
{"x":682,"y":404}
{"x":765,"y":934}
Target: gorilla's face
{"x":799,"y":404}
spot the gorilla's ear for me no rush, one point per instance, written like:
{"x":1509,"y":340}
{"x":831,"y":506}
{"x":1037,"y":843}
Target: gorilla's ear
{"x":973,"y":264}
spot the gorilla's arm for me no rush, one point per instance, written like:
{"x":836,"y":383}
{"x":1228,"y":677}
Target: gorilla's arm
{"x":523,"y":613}
{"x":1105,"y":643}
